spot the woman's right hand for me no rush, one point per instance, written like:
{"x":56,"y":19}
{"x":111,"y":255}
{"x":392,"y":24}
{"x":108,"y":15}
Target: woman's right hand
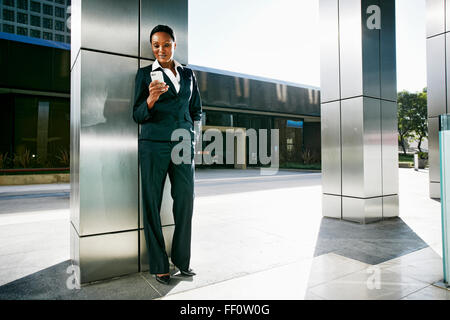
{"x":155,"y":89}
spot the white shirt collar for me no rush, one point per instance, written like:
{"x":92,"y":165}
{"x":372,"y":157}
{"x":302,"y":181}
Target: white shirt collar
{"x":156,"y":65}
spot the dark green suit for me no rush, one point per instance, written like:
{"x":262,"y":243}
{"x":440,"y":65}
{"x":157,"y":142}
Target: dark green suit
{"x":170,"y":112}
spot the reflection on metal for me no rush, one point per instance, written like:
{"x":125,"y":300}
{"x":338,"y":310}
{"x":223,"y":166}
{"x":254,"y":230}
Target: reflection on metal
{"x":358,"y":111}
{"x":438,"y":89}
{"x":106,"y":222}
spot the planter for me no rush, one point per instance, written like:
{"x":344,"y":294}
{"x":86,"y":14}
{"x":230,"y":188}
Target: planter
{"x":419,"y":163}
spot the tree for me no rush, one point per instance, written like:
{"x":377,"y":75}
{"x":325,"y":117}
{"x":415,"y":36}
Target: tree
{"x":420,"y":123}
{"x":404,"y":100}
{"x":412,"y":117}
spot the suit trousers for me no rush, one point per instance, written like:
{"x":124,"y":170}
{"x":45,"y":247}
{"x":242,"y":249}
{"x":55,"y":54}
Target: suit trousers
{"x":156,"y":163}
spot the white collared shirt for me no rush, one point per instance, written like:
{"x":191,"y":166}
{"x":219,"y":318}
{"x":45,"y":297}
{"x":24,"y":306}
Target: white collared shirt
{"x":175,"y":79}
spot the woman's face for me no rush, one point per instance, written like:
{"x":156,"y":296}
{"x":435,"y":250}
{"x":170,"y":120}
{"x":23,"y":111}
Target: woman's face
{"x":163,"y":47}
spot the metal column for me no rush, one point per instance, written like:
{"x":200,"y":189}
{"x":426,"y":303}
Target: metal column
{"x":438,"y":27}
{"x":359,"y":109}
{"x":110,"y":40}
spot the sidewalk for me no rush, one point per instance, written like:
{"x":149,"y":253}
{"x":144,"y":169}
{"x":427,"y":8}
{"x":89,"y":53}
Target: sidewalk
{"x":242,"y":242}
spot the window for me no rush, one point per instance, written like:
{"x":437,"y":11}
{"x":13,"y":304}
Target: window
{"x":8,"y":28}
{"x":35,"y":6}
{"x":59,"y":12}
{"x":22,"y":4}
{"x":8,"y":3}
{"x":22,"y":18}
{"x":22,"y":31}
{"x":68,"y":39}
{"x":47,"y":36}
{"x":8,"y":15}
{"x":48,"y":23}
{"x":35,"y":21}
{"x":59,"y":37}
{"x":60,"y":1}
{"x":59,"y":25}
{"x":48,"y":9}
{"x":35,"y":33}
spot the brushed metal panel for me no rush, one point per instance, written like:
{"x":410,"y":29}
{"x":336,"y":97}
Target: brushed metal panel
{"x":433,"y":150}
{"x":361,"y":147}
{"x":373,"y":175}
{"x":435,"y":17}
{"x":75,"y":89}
{"x":75,"y":30}
{"x":168,"y":235}
{"x":108,"y":255}
{"x":388,"y":54}
{"x":447,"y":52}
{"x":370,"y":54}
{"x":166,"y":206}
{"x":74,"y":248}
{"x":362,"y":210}
{"x":436,"y":76}
{"x":329,"y":50}
{"x":110,"y":25}
{"x":447,"y":15}
{"x":144,"y":63}
{"x":108,"y":145}
{"x":390,"y":207}
{"x":352,"y":123}
{"x":350,"y":32}
{"x":435,"y":190}
{"x":331,"y":206}
{"x":172,"y":13}
{"x":331,"y":147}
{"x":389,"y":151}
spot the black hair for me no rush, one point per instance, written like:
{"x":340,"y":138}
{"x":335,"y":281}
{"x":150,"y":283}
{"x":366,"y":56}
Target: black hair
{"x":162,"y":28}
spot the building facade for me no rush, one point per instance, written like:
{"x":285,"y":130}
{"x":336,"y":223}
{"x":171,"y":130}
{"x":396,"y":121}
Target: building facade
{"x":41,"y":19}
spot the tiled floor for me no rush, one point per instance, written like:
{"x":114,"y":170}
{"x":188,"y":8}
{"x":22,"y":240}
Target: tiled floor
{"x":268,"y":243}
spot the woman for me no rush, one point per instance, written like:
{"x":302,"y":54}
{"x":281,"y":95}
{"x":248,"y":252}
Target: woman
{"x":161,"y":108}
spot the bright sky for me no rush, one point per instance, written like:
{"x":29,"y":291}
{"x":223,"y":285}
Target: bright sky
{"x":279,"y":39}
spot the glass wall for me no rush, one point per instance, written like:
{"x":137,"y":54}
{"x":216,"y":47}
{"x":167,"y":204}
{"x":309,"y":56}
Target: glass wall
{"x":299,"y":144}
{"x":39,"y":129}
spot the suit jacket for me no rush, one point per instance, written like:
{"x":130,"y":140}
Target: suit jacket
{"x":171,"y":111}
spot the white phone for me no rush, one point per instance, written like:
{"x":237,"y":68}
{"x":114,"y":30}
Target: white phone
{"x":157,"y":75}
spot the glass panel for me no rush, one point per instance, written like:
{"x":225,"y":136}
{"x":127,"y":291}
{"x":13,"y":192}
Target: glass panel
{"x":444,"y":145}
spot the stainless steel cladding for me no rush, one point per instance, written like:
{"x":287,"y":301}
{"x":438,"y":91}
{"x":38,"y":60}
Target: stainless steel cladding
{"x":361,"y":148}
{"x":350,"y":43}
{"x":110,"y":25}
{"x":173,"y":13}
{"x":389,"y":151}
{"x":108,"y":255}
{"x":388,"y":52}
{"x":435,"y":17}
{"x":108,"y":144}
{"x":331,"y":147}
{"x":438,"y":90}
{"x":359,"y":130}
{"x":329,"y":51}
{"x":104,"y":203}
{"x":433,"y":149}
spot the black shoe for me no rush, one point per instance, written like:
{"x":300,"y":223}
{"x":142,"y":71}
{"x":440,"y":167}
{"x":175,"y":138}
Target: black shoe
{"x":187,"y":273}
{"x":163,"y":279}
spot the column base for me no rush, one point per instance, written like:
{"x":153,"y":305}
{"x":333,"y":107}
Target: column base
{"x":360,"y":210}
{"x":103,"y":256}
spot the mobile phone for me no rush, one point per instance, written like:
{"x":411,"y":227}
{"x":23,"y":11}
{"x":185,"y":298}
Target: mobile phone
{"x":157,"y":75}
